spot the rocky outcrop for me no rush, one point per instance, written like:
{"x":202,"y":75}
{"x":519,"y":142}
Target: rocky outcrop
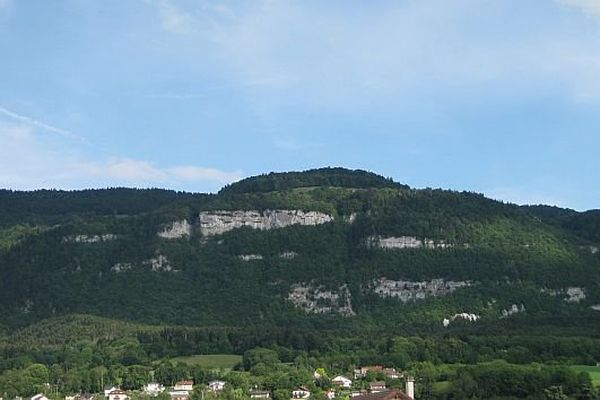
{"x":160,"y":263}
{"x":591,"y":249}
{"x":121,"y":267}
{"x":405,"y":242}
{"x":288,"y":255}
{"x":90,"y":238}
{"x":416,"y":290}
{"x":462,"y":316}
{"x":315,"y":299}
{"x":571,"y":294}
{"x":514,"y":309}
{"x":574,"y":294}
{"x":177,"y":230}
{"x":595,"y":307}
{"x":250,"y":257}
{"x":218,"y":222}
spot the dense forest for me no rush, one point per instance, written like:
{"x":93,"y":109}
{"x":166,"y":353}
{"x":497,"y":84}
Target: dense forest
{"x":107,"y":286}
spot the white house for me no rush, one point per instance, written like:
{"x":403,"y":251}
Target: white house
{"x":392,"y":373}
{"x":39,"y":397}
{"x":153,"y":389}
{"x":341,"y":381}
{"x":376,"y":387}
{"x":362,"y":371}
{"x":216,"y":386}
{"x":110,"y":389}
{"x":301,"y":393}
{"x":179,"y":395}
{"x":259,"y":394}
{"x":330,"y":394}
{"x":118,"y":394}
{"x":184,"y":386}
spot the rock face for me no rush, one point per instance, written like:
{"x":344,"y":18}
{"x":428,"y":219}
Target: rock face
{"x":514,"y":309}
{"x":315,"y":299}
{"x":90,"y":238}
{"x":121,"y":267}
{"x":416,"y":290}
{"x":405,"y":242}
{"x":250,"y":257}
{"x":160,"y":263}
{"x":572,"y":294}
{"x":218,"y":222}
{"x":464,"y":316}
{"x":288,"y":255}
{"x":177,"y":230}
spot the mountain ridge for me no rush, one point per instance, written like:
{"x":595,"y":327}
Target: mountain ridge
{"x":379,"y":248}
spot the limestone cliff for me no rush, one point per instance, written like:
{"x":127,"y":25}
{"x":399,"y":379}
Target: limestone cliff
{"x":176,"y":230}
{"x":218,"y":222}
{"x":416,"y":290}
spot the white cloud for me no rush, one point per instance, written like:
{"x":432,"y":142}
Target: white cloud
{"x":173,"y":19}
{"x":330,"y":57}
{"x":590,"y":7}
{"x":29,"y":160}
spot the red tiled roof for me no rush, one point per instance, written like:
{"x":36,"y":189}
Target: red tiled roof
{"x":393,"y":394}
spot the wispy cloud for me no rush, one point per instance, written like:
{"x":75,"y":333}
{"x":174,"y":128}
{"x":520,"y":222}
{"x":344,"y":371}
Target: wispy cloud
{"x":38,"y":124}
{"x":173,"y":19}
{"x":589,"y":7}
{"x":29,"y":160}
{"x":138,"y":172}
{"x":329,"y":57}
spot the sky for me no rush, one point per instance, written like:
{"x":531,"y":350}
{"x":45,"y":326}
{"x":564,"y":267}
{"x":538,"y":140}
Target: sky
{"x":497,"y":97}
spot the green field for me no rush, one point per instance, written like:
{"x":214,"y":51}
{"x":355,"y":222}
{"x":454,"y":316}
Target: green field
{"x":593,"y":371}
{"x":216,"y":361}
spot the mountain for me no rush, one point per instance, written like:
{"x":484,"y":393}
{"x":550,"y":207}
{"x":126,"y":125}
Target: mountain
{"x":322,"y":248}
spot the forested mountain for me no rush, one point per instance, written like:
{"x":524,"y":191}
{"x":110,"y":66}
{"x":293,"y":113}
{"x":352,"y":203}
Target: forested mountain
{"x":324,"y":268}
{"x":317,"y":249}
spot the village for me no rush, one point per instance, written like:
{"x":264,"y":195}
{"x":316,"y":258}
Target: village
{"x":367,"y":384}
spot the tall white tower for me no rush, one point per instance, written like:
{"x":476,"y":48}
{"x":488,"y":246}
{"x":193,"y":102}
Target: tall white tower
{"x":410,"y":387}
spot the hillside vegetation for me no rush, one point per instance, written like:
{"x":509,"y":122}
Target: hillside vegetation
{"x":325,"y":268}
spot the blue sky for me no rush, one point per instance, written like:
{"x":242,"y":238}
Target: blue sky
{"x":498,"y":97}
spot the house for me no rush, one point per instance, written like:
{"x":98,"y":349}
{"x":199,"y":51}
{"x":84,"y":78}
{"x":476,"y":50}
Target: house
{"x":362,"y":371}
{"x":260,"y":394}
{"x":341,"y":381}
{"x":378,"y":386}
{"x":216,"y":386}
{"x":392,"y":373}
{"x":330,"y":394}
{"x":356,"y":393}
{"x":153,"y":389}
{"x":179,"y":395}
{"x":392,"y":394}
{"x":109,"y":389}
{"x":301,"y":393}
{"x":39,"y":397}
{"x":85,"y":396}
{"x":118,"y":394}
{"x":187,"y":386}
